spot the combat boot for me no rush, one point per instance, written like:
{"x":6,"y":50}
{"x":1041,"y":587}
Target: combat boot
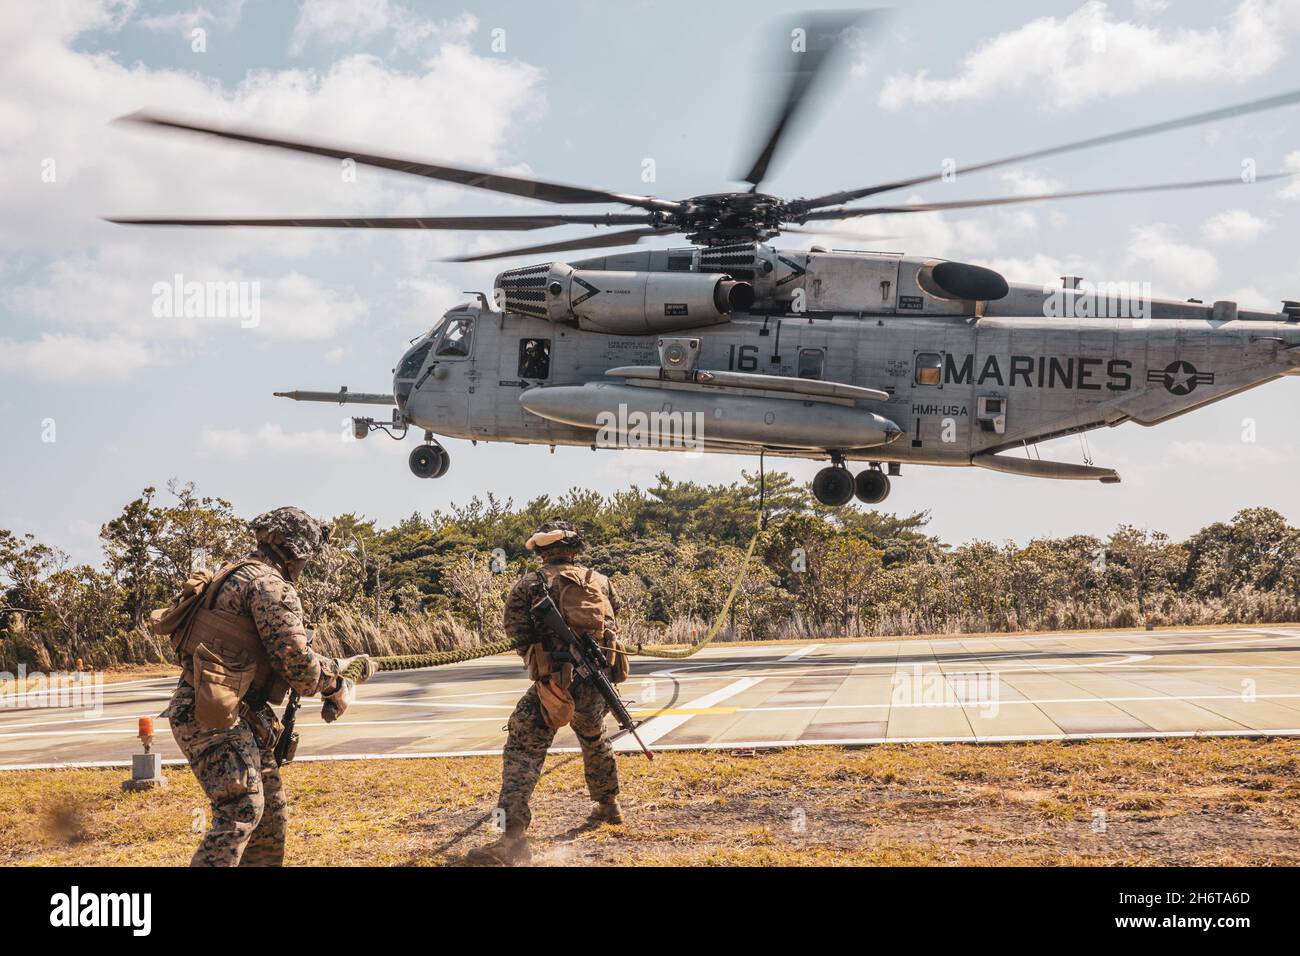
{"x":509,"y":850}
{"x":606,"y":811}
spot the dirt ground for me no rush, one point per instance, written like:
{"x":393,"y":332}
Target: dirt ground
{"x":1100,"y":802}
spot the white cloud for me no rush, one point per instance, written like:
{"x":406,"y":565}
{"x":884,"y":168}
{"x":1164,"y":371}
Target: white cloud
{"x":272,"y":439}
{"x":1251,"y":297}
{"x":1090,"y":55}
{"x":296,"y":307}
{"x":1039,"y":268}
{"x":78,"y":358}
{"x":339,"y":21}
{"x":95,"y":279}
{"x":1030,"y":184}
{"x":183,"y":21}
{"x":357,"y":22}
{"x":1239,"y":456}
{"x":1292,"y":189}
{"x":1234,"y":227}
{"x":1162,"y":259}
{"x":115,"y":290}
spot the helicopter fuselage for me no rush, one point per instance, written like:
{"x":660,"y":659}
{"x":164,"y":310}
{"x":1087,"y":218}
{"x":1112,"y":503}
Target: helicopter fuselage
{"x":959,"y":380}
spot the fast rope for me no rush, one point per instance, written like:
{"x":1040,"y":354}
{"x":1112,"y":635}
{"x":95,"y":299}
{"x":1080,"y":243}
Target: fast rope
{"x":677,"y":654}
{"x":410,"y":662}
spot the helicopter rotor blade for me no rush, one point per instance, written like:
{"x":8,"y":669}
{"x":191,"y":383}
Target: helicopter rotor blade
{"x":497,"y":182}
{"x":823,"y":33}
{"x":852,"y":213}
{"x":1241,"y":109}
{"x":406,"y":222}
{"x":839,"y":234}
{"x":624,"y":237}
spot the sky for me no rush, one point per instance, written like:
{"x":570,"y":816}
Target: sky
{"x":103,"y":395}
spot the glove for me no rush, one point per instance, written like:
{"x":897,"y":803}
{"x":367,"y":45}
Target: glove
{"x":368,"y":666}
{"x":337,"y":702}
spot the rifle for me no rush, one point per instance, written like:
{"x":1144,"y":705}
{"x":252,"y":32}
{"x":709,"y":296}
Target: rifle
{"x":588,"y":660}
{"x":287,"y":744}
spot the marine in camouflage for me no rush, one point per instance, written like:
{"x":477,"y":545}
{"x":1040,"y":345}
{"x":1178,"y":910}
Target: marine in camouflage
{"x":292,"y":529}
{"x":248,"y":812}
{"x":529,"y":737}
{"x":238,"y":773}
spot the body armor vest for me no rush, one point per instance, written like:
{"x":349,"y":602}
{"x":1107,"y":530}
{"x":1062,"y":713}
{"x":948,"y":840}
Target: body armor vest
{"x":227,"y":650}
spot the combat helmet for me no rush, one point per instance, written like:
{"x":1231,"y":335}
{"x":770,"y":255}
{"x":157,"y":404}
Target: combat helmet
{"x":291,"y":530}
{"x":556,"y":536}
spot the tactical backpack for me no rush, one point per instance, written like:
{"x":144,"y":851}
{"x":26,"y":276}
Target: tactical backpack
{"x":228,"y":660}
{"x":582,"y":595}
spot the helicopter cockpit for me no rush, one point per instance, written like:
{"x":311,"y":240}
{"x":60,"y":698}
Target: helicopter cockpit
{"x":451,"y":339}
{"x":456,"y":337}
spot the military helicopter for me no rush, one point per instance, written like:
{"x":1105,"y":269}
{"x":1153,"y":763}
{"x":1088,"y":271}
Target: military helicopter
{"x":732,"y":345}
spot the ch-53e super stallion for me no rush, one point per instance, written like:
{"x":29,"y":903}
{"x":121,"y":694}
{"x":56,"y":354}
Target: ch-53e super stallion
{"x":732,"y":345}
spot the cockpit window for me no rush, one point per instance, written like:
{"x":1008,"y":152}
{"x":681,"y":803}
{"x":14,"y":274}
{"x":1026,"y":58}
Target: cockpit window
{"x":412,"y":364}
{"x":457,"y":338}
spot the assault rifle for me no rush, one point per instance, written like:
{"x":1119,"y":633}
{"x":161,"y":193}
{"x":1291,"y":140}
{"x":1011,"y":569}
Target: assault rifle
{"x":287,"y":744}
{"x":588,"y":660}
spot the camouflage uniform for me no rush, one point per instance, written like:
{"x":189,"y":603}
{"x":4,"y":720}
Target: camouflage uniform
{"x":530,"y":737}
{"x":249,"y":810}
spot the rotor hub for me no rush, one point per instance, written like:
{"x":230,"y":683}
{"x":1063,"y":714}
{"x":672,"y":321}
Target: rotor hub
{"x":726,"y":218}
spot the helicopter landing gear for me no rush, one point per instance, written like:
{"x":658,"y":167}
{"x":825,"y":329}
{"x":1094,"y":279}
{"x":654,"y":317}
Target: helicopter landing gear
{"x":429,"y":461}
{"x":833,"y":485}
{"x":871,"y":486}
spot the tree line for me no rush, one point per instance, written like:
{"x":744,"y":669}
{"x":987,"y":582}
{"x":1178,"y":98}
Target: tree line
{"x":439,"y":579}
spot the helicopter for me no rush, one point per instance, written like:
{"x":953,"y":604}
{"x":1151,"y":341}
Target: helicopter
{"x":732,"y":345}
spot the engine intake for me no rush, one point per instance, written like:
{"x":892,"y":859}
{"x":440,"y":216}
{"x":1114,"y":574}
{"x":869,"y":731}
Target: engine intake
{"x":622,"y":303}
{"x":960,"y":280}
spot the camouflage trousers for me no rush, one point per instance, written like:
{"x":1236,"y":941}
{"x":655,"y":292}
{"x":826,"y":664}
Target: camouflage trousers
{"x":249,"y":809}
{"x":530,"y":737}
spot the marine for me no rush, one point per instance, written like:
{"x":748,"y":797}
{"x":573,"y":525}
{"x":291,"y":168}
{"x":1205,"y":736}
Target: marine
{"x":242,"y":644}
{"x":557,"y":695}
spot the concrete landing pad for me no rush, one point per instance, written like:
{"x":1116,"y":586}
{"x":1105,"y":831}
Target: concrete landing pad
{"x":1234,"y":681}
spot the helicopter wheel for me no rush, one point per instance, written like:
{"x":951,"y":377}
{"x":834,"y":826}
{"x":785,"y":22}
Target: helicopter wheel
{"x":833,"y":486}
{"x":871,"y":486}
{"x":429,"y":461}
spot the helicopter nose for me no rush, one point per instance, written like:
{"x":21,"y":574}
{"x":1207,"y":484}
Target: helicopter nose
{"x":402,"y":392}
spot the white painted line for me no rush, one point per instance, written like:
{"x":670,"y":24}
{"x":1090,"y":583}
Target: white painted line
{"x":655,"y":727}
{"x":314,"y":727}
{"x":731,"y":745}
{"x":976,"y":704}
{"x":713,"y":699}
{"x":381,"y":702}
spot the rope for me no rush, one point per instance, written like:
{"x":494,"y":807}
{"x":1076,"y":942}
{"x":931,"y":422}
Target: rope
{"x":410,"y":662}
{"x":678,"y":654}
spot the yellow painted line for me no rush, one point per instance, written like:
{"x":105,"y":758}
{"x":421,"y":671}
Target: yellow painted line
{"x":684,"y":711}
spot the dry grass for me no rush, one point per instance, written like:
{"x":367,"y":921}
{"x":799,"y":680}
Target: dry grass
{"x":1103,"y":802}
{"x":349,"y":632}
